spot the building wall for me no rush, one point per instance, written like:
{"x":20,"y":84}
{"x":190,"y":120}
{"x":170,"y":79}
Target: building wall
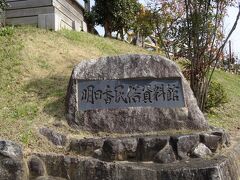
{"x":49,"y":14}
{"x":26,"y":12}
{"x":68,"y":15}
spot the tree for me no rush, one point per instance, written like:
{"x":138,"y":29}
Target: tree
{"x":196,"y":34}
{"x":90,"y":20}
{"x":166,"y":15}
{"x":125,"y":15}
{"x":144,"y":25}
{"x":116,"y":15}
{"x":204,"y":41}
{"x":104,"y":15}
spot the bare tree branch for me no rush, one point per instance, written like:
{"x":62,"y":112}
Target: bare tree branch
{"x":216,"y":59}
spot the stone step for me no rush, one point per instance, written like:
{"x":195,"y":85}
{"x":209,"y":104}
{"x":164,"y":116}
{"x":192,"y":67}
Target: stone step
{"x":146,"y":148}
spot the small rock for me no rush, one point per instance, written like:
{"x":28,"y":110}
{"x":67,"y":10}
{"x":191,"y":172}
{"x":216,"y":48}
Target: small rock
{"x":148,"y":147}
{"x":184,"y":144}
{"x":36,"y":166}
{"x":86,"y":146}
{"x":166,"y":155}
{"x":211,"y":141}
{"x":97,"y":153}
{"x":54,"y":137}
{"x":130,"y":146}
{"x":113,"y":149}
{"x":11,"y":161}
{"x":10,"y":149}
{"x":201,"y":151}
{"x":225,"y":137}
{"x":55,"y":164}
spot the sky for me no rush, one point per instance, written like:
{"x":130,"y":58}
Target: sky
{"x":228,"y":22}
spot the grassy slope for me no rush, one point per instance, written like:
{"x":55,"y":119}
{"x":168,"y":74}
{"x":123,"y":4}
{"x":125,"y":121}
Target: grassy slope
{"x":35,"y":66}
{"x":228,"y":115}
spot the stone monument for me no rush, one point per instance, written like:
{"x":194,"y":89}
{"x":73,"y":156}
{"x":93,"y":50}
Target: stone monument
{"x":130,"y":94}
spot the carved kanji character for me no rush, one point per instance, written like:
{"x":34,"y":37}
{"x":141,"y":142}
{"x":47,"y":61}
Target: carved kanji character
{"x":108,"y":95}
{"x":88,"y":94}
{"x":159,"y":92}
{"x":134,"y":94}
{"x":98,"y":95}
{"x":172,"y":93}
{"x":147,"y":94}
{"x":119,"y":94}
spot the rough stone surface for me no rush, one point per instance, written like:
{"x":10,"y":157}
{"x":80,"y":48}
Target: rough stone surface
{"x":137,"y":119}
{"x":49,"y":178}
{"x":60,"y":167}
{"x":201,"y":151}
{"x":225,"y":137}
{"x":130,"y":147}
{"x":11,"y":161}
{"x":97,"y":153}
{"x":184,"y":144}
{"x":221,"y":167}
{"x":143,"y":148}
{"x":86,"y":146}
{"x":54,"y":137}
{"x":119,"y":149}
{"x":36,"y":167}
{"x":10,"y":149}
{"x":148,"y":147}
{"x":165,"y":155}
{"x":113,"y":149}
{"x":213,"y":142}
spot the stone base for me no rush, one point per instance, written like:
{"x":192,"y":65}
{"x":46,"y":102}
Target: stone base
{"x":221,"y":167}
{"x":129,"y":158}
{"x":157,"y":148}
{"x":143,"y":158}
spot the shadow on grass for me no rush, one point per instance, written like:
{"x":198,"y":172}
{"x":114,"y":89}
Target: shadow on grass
{"x":50,"y":93}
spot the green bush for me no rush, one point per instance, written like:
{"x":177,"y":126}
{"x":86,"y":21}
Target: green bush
{"x":216,"y":96}
{"x":6,"y":31}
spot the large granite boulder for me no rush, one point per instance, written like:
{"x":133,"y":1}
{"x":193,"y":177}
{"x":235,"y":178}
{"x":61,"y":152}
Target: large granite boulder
{"x":131,"y":119}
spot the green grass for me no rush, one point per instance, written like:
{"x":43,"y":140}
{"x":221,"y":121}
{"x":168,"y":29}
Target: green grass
{"x":228,"y":115}
{"x":35,"y":66}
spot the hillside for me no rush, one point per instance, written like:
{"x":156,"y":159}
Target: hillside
{"x":228,"y":115}
{"x":35,"y":66}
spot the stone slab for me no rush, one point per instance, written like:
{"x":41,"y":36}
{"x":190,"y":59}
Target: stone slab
{"x":114,"y":94}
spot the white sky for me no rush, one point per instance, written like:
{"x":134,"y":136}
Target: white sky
{"x":228,"y":23}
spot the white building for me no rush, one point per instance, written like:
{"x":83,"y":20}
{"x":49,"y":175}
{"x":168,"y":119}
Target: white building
{"x":49,"y":14}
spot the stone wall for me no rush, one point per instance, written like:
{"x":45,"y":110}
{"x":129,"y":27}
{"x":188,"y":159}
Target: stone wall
{"x":221,"y":165}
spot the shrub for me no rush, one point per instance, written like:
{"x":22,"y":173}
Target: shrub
{"x":6,"y":31}
{"x":216,"y":96}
